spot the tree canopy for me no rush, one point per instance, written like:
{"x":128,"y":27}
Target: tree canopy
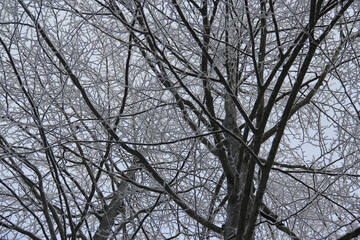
{"x":206,"y":119}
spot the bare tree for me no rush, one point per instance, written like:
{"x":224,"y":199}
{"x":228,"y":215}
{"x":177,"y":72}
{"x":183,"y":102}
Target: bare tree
{"x":211,"y":119}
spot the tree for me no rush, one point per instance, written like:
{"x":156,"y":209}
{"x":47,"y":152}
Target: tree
{"x":205,"y":119}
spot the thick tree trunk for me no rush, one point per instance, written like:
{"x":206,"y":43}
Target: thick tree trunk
{"x":111,"y":212}
{"x":232,"y":213}
{"x":235,"y":188}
